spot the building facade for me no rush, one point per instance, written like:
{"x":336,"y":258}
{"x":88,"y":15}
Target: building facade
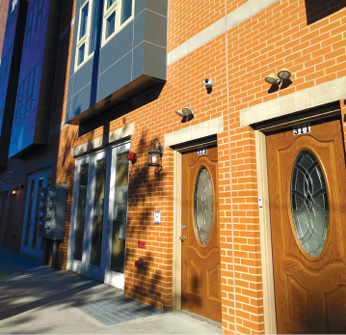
{"x":238,"y":216}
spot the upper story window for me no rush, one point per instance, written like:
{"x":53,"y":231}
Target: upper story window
{"x":83,"y":37}
{"x":116,"y":14}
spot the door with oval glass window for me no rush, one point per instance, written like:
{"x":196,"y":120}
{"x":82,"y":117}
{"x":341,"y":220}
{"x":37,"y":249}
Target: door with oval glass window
{"x":201,"y":292}
{"x":307,"y":206}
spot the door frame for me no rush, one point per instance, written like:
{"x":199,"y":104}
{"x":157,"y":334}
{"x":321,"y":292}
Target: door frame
{"x":101,"y":273}
{"x":321,"y":114}
{"x":177,"y":216}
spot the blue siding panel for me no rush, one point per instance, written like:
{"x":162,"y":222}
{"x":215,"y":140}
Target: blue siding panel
{"x":115,"y":77}
{"x":116,"y":48}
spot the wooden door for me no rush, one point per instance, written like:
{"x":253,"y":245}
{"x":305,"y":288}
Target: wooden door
{"x":307,"y":187}
{"x":201,"y":293}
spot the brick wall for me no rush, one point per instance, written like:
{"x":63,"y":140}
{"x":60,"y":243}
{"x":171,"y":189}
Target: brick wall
{"x":278,"y":36}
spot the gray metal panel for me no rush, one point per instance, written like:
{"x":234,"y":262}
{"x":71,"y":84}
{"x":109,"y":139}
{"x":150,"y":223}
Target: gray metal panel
{"x":115,"y":77}
{"x":138,"y":66}
{"x":80,"y":101}
{"x":158,"y":6}
{"x":149,"y":59}
{"x":116,"y":48}
{"x":82,"y":77}
{"x":69,"y":111}
{"x":150,"y":27}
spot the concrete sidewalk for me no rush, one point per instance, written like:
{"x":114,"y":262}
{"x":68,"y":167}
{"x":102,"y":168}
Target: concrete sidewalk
{"x":37,"y":299}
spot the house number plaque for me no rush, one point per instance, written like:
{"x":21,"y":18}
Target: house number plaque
{"x":302,"y":129}
{"x":201,"y":152}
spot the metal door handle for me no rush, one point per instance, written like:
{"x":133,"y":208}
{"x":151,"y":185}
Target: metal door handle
{"x":182,"y":238}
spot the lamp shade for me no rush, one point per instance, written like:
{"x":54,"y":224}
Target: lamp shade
{"x":154,"y":157}
{"x":272,"y":78}
{"x":284,"y":74}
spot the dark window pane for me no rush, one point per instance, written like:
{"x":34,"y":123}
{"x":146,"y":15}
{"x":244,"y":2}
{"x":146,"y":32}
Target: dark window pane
{"x":126,"y":10}
{"x":84,"y":20}
{"x":97,"y":224}
{"x":81,"y":207}
{"x":110,"y":25}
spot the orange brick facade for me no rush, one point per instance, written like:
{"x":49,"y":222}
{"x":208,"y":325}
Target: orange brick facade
{"x":295,"y":34}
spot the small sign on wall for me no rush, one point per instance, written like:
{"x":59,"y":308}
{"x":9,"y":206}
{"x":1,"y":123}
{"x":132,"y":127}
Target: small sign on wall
{"x":141,"y":244}
{"x":157,"y":217}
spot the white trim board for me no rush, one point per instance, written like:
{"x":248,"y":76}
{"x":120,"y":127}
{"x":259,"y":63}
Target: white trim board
{"x":310,"y":97}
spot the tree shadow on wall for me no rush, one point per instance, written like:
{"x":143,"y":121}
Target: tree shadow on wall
{"x":143,"y":184}
{"x":318,"y":9}
{"x":147,"y":285}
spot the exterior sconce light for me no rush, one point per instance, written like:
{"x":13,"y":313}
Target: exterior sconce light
{"x":272,"y":79}
{"x":283,"y":76}
{"x":208,"y":83}
{"x":132,"y":157}
{"x":14,"y":190}
{"x":186,"y":114}
{"x":155,"y":155}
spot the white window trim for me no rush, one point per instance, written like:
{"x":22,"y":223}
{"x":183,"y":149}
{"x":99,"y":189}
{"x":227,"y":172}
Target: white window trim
{"x":115,"y":7}
{"x":86,"y":38}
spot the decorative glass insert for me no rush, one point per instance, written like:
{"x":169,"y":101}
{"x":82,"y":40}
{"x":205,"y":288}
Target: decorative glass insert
{"x":309,"y":203}
{"x":203,"y":205}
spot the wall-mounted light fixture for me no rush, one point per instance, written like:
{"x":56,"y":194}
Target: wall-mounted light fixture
{"x":208,"y":83}
{"x":155,"y":155}
{"x":186,"y":114}
{"x":14,"y":190}
{"x":283,"y":76}
{"x":272,"y":78}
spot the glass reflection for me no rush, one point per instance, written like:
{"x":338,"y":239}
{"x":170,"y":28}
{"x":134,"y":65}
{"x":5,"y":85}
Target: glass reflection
{"x":120,"y":213}
{"x":98,"y":210}
{"x":81,"y":209}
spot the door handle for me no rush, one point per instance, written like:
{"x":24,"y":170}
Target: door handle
{"x":107,"y":230}
{"x":182,"y":238}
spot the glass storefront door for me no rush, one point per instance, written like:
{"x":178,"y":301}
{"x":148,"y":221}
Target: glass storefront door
{"x":31,"y":242}
{"x":99,"y":211}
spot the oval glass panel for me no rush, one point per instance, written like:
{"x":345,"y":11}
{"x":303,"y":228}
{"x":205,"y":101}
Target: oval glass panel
{"x":203,"y":205}
{"x":309,"y":203}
